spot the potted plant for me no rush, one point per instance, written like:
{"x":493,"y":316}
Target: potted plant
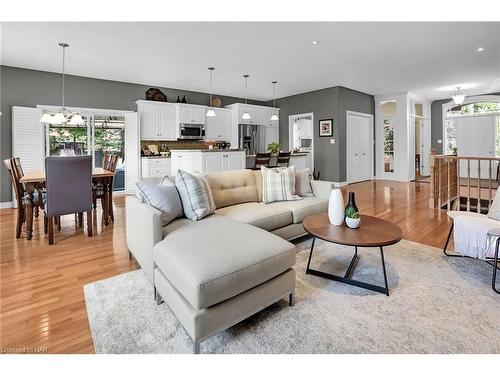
{"x":273,"y":148}
{"x":352,"y":218}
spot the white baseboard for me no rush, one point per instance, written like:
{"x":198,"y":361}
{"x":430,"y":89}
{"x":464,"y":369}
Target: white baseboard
{"x":7,"y":204}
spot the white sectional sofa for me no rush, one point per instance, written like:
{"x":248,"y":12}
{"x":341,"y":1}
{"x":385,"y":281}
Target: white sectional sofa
{"x":216,"y":272}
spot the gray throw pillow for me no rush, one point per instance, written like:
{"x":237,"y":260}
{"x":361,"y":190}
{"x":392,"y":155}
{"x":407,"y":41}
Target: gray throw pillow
{"x":303,"y":183}
{"x":196,"y":196}
{"x":164,"y":197}
{"x":494,"y":212}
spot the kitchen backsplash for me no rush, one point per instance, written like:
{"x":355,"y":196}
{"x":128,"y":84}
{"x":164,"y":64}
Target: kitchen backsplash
{"x":177,"y":145}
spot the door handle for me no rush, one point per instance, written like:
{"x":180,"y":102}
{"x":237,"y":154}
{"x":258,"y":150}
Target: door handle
{"x":356,"y":154}
{"x":364,"y":153}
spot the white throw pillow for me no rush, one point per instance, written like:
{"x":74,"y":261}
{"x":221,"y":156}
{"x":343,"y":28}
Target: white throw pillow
{"x":303,"y":183}
{"x":494,"y":212}
{"x":278,"y":184}
{"x":196,"y":196}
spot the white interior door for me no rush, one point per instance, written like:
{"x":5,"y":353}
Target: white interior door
{"x":132,"y":152}
{"x":359,"y":147}
{"x":476,"y":137}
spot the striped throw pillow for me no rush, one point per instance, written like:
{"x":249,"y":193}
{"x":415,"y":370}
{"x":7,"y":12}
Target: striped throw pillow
{"x":278,"y":184}
{"x":196,"y":197}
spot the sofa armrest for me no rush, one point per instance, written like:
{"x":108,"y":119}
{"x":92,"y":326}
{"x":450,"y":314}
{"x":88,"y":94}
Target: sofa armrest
{"x":322,"y":189}
{"x":143,"y":230}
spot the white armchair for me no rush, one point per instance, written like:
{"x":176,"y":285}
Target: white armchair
{"x":476,"y":236}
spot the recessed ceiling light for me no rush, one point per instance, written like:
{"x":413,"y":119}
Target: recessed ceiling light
{"x":480,"y":49}
{"x":314,"y":42}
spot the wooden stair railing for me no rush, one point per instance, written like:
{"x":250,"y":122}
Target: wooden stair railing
{"x":448,"y":186}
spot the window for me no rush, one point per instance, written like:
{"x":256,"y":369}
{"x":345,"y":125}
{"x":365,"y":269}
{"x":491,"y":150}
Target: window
{"x":451,"y":136}
{"x":474,"y":109}
{"x":497,"y":149}
{"x":388,"y":146}
{"x":388,"y":107}
{"x":68,"y":140}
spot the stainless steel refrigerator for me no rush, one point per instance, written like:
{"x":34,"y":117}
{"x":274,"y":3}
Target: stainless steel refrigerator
{"x":250,"y":138}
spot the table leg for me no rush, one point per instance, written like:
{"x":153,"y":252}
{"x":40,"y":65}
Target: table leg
{"x":30,"y":188}
{"x":346,"y":279}
{"x":385,"y":273}
{"x":105,"y":209}
{"x":495,"y":267}
{"x":310,"y":255}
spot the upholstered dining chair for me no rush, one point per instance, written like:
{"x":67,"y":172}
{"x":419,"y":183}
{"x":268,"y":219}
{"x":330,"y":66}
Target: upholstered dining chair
{"x":68,"y":183}
{"x":283,"y":159}
{"x":15,"y":170}
{"x":262,"y":159}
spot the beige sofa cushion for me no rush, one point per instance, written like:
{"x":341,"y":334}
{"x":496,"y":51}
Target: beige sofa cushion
{"x":208,"y":261}
{"x":233,"y":187}
{"x":267,"y":217}
{"x":257,"y":175}
{"x":302,"y":208}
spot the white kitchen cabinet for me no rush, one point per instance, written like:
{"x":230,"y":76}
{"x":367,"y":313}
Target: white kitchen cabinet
{"x":190,"y":114}
{"x":157,"y":120}
{"x":271,"y":134}
{"x":266,"y":114}
{"x":207,"y":161}
{"x":167,"y":128}
{"x":223,"y":161}
{"x":218,"y":128}
{"x":183,"y":161}
{"x":234,"y":161}
{"x":155,"y":167}
{"x":212,"y":162}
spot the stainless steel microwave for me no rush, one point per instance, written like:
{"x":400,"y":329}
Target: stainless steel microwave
{"x":192,"y":131}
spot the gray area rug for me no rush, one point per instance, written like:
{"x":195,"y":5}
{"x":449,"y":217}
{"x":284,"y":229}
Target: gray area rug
{"x":437,"y":305}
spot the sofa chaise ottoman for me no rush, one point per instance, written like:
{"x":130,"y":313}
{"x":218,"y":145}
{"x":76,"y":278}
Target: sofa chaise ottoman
{"x":218,"y":271}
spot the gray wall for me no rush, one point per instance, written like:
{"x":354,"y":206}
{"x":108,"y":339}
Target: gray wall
{"x":24,"y":87}
{"x":330,"y":103}
{"x":437,"y":122}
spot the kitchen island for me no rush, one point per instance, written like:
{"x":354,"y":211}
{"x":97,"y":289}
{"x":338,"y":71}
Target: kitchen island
{"x":300,"y":160}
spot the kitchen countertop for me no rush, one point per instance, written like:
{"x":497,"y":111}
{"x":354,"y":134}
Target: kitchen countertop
{"x":155,"y":157}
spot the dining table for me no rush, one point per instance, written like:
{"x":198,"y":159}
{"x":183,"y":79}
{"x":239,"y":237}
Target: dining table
{"x":36,"y":179}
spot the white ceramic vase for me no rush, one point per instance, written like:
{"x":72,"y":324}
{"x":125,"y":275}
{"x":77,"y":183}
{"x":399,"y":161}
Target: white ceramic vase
{"x":336,"y":207}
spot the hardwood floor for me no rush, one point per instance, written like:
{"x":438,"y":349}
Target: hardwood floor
{"x":41,"y":301}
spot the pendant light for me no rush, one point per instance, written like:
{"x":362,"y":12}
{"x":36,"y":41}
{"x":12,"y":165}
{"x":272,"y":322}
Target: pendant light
{"x":246,"y":115}
{"x":274,"y":116}
{"x":211,"y":112}
{"x":458,"y":97}
{"x":63,"y":116}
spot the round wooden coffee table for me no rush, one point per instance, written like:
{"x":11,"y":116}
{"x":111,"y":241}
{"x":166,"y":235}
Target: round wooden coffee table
{"x":373,"y":232}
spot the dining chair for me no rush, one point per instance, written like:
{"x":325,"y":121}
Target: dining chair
{"x":283,"y":159}
{"x":262,"y":159}
{"x":68,"y":183}
{"x":13,"y":165}
{"x":99,"y":189}
{"x":105,"y":160}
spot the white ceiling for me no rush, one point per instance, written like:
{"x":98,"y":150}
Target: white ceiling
{"x":376,"y":58}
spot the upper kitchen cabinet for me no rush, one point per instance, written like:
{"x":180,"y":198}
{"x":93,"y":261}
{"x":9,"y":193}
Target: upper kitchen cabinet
{"x":218,"y":128}
{"x":157,"y":120}
{"x":266,"y":114}
{"x":259,"y":115}
{"x":190,"y":114}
